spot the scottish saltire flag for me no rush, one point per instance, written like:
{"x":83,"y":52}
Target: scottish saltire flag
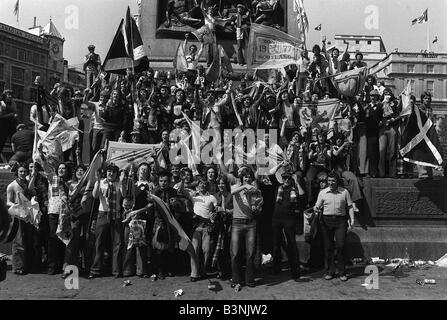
{"x":421,"y":141}
{"x":421,"y":19}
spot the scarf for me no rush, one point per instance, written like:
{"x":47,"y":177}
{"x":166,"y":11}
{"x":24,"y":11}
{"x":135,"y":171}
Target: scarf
{"x":111,"y":198}
{"x":58,"y":187}
{"x":280,"y":194}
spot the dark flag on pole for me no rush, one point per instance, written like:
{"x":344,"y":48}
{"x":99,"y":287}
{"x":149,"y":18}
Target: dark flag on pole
{"x":318,"y":28}
{"x":435,"y":39}
{"x":421,"y":19}
{"x":420,"y":141}
{"x":127,"y":49}
{"x":16,"y":9}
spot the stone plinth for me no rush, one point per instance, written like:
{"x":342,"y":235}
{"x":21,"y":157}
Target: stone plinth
{"x":406,"y":201}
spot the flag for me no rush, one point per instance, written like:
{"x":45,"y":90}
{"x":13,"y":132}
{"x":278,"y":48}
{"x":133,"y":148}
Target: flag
{"x":270,"y":48}
{"x":421,"y":142}
{"x":435,"y":39}
{"x":301,"y":19}
{"x":381,"y":65}
{"x":16,"y":9}
{"x":184,"y":144}
{"x":325,"y":119}
{"x":124,"y":154}
{"x":127,"y":49}
{"x":421,"y":19}
{"x":205,"y":35}
{"x":405,"y":100}
{"x":184,"y":243}
{"x":50,"y":145}
{"x":318,"y":28}
{"x":89,"y":177}
{"x":180,"y":59}
{"x":350,"y":83}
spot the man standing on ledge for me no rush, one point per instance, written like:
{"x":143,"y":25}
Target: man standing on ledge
{"x":92,"y":65}
{"x":332,"y":202}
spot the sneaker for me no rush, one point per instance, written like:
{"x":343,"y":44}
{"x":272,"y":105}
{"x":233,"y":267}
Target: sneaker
{"x":328,"y":277}
{"x":343,"y":278}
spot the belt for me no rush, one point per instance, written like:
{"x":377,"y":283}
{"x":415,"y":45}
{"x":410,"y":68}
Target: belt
{"x":243,"y":220}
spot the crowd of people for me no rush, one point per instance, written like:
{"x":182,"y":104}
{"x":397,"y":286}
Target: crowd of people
{"x":234,"y":214}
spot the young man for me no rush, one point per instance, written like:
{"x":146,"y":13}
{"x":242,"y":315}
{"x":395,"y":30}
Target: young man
{"x":109,"y":221}
{"x":203,"y":223}
{"x":332,"y":203}
{"x":247,"y":203}
{"x":22,"y":245}
{"x":98,"y":109}
{"x":289,"y":201}
{"x":8,"y":117}
{"x":22,"y":144}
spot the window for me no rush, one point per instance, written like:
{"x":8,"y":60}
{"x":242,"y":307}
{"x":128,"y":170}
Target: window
{"x":1,"y":49}
{"x":369,"y":41}
{"x":22,"y":55}
{"x":6,"y":52}
{"x":18,"y":74}
{"x":36,"y":58}
{"x":13,"y":52}
{"x":430,"y":68}
{"x":357,"y":41}
{"x":431,"y":87}
{"x":42,"y":60}
{"x":2,"y":86}
{"x":17,"y":91}
{"x":54,"y":64}
{"x":410,"y":68}
{"x":2,"y":70}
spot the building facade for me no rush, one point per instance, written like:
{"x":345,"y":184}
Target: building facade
{"x":24,"y":55}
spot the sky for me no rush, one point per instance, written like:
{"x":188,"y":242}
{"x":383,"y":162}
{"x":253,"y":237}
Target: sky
{"x":98,"y":21}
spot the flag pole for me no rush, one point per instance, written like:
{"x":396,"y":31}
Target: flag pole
{"x":428,"y":37}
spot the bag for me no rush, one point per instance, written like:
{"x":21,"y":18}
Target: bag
{"x":311,"y":225}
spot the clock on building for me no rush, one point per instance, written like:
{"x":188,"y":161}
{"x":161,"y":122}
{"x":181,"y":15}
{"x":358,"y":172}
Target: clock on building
{"x":55,"y":48}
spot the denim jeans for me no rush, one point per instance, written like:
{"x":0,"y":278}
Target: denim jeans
{"x":56,"y":248}
{"x":104,"y":227}
{"x":334,"y":229}
{"x":288,"y":226}
{"x":388,"y":152}
{"x":78,"y":243}
{"x":202,"y":242}
{"x":243,"y":235}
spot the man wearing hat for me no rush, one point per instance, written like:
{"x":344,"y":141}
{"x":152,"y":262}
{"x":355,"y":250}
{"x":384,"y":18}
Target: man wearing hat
{"x":22,"y":144}
{"x":358,"y":63}
{"x":373,"y":116}
{"x":241,"y":24}
{"x":92,"y":65}
{"x":8,"y":116}
{"x":289,"y":202}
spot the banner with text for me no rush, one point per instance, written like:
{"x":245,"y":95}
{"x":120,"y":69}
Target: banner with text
{"x":270,"y":48}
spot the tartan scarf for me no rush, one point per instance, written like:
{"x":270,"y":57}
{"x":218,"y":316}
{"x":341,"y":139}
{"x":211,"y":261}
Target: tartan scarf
{"x":111,"y":197}
{"x":280,"y":195}
{"x":58,"y":187}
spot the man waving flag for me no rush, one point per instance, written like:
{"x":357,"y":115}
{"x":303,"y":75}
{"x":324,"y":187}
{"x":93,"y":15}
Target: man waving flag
{"x":421,"y":19}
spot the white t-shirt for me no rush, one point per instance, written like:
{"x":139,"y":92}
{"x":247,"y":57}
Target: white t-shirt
{"x":204,"y":204}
